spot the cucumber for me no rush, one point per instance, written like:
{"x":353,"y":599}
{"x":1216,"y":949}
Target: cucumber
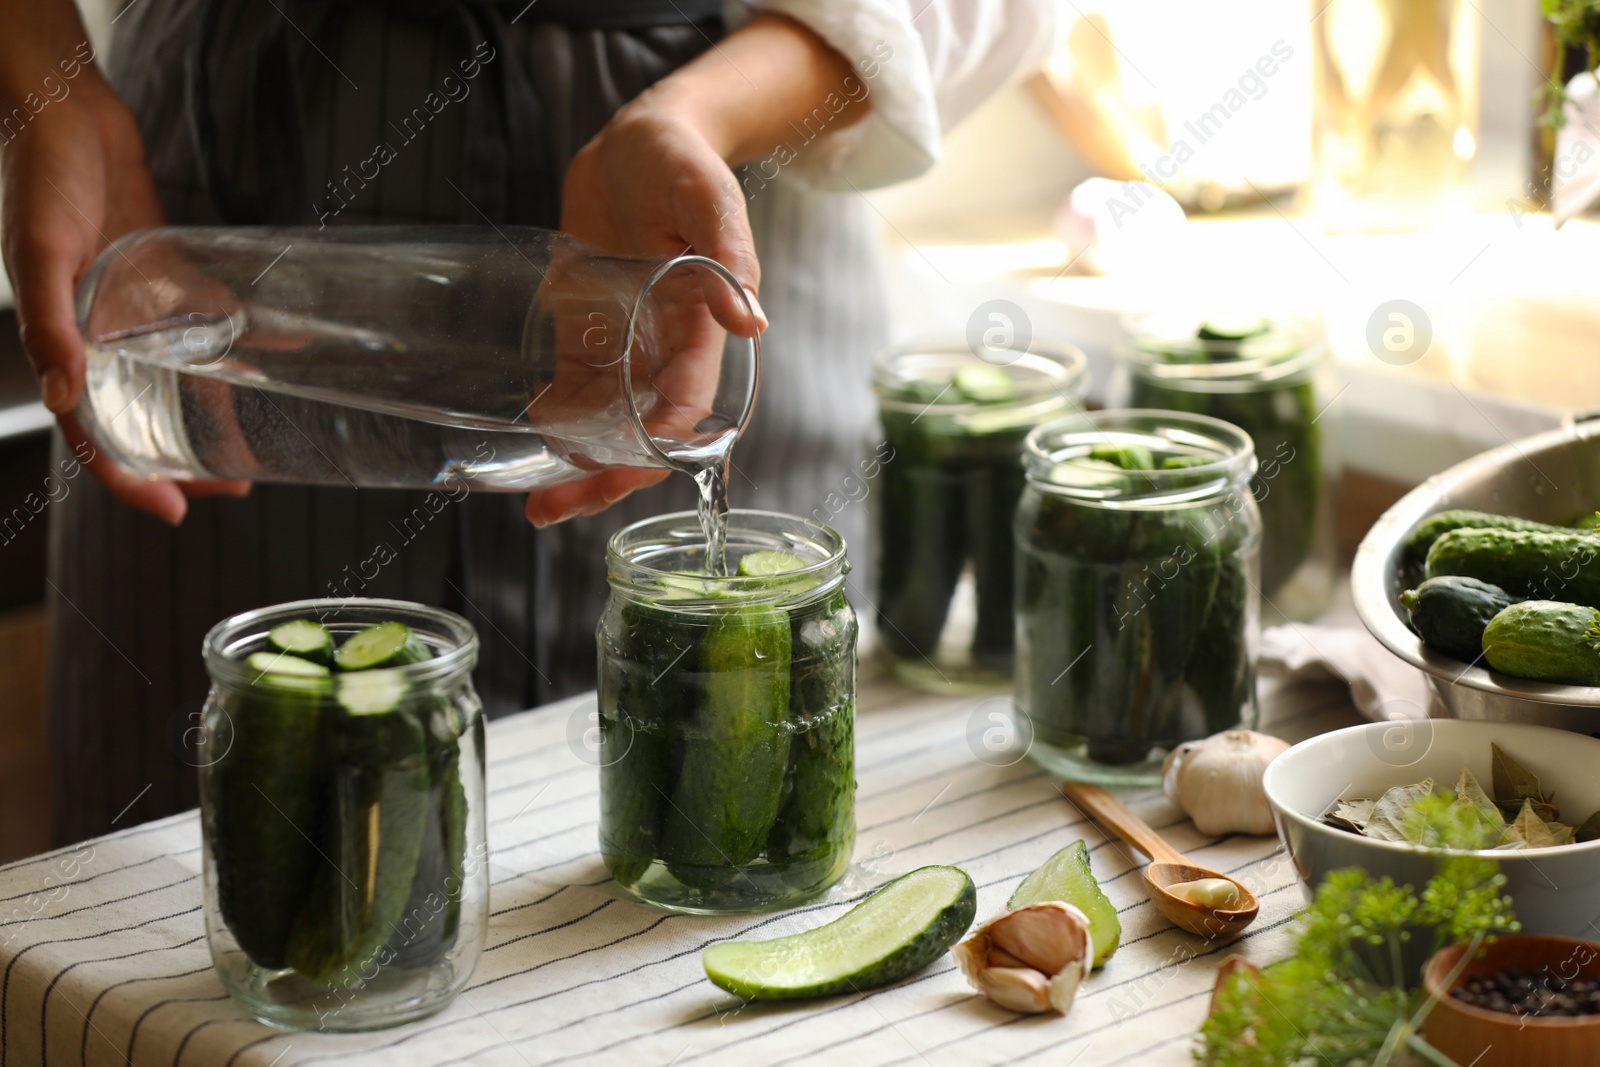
{"x":1066,"y":877}
{"x":642,"y":695}
{"x":388,"y":644}
{"x":920,"y":542}
{"x":811,"y":839}
{"x":1545,"y":641}
{"x":895,"y":932}
{"x":767,"y":563}
{"x":1525,"y":563}
{"x":984,"y":384}
{"x":432,"y":914}
{"x":1434,"y":527}
{"x":730,"y":782}
{"x":303,"y":638}
{"x":376,"y":816}
{"x":265,"y":799}
{"x":281,"y":664}
{"x":1450,"y":612}
{"x":372,"y":692}
{"x":1232,"y":327}
{"x":1129,"y":457}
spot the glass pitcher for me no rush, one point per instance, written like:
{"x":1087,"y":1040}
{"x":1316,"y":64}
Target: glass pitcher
{"x":407,"y":357}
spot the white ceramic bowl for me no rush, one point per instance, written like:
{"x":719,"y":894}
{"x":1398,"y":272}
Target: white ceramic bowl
{"x":1554,"y":890}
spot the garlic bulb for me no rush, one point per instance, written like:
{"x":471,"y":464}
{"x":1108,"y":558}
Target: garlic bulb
{"x":1217,"y":782}
{"x":1031,"y":959}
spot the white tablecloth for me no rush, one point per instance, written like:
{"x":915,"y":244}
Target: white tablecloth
{"x":103,"y":957}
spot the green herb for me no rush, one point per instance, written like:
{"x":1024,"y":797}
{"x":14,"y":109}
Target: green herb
{"x":1577,"y":25}
{"x":1345,"y":995}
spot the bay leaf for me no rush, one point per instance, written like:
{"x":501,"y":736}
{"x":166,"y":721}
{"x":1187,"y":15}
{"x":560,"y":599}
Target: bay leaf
{"x":1590,"y":828}
{"x":1469,"y":792}
{"x":1513,"y":783}
{"x":1350,"y":815}
{"x":1528,"y":830}
{"x":1388,"y":814}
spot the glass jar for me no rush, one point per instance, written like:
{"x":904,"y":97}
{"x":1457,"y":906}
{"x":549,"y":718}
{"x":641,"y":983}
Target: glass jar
{"x":1272,"y":379}
{"x":953,"y":424}
{"x":346,"y":863}
{"x":727,"y":714}
{"x":1137,"y":544}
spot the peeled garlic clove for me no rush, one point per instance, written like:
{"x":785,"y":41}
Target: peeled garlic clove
{"x":1207,"y":892}
{"x":1016,"y":988}
{"x":1217,"y":782}
{"x":1031,"y":959}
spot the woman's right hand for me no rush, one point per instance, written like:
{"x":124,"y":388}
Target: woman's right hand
{"x":72,"y":181}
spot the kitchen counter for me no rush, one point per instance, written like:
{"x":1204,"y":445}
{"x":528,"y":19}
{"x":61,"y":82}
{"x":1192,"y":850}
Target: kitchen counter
{"x":103,"y":957}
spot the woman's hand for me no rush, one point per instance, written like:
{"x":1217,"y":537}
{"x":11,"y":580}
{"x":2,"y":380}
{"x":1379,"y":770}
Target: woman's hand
{"x":74,"y":180}
{"x":658,"y":181}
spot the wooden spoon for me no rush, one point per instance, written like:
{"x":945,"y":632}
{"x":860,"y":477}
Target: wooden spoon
{"x":1169,"y":867}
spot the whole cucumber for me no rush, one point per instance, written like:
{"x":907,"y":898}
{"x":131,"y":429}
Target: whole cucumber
{"x":264,"y":801}
{"x":730,"y":783}
{"x":1434,"y":527}
{"x":376,"y":816}
{"x":1525,"y":563}
{"x":1545,"y":641}
{"x":1450,"y":612}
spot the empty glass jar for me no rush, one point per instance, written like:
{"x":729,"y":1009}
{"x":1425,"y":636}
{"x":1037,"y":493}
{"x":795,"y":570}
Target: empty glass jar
{"x":953,"y":424}
{"x":346,"y":863}
{"x":727,"y":714}
{"x":1137,"y":542}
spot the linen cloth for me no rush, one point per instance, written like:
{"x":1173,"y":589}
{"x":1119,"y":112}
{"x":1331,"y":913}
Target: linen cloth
{"x":103,"y":957}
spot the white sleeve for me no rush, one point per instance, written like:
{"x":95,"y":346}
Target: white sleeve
{"x":924,"y":64}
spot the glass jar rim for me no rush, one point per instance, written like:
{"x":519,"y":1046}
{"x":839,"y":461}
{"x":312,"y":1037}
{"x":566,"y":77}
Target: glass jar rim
{"x":1291,"y":349}
{"x":680,"y":530}
{"x":1064,"y":374}
{"x":225,"y":667}
{"x":1056,"y":444}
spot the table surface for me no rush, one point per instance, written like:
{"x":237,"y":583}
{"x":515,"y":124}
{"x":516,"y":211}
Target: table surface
{"x":104,"y":955}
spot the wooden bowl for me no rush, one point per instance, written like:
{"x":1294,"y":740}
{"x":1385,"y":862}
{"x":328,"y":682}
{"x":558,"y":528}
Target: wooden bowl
{"x":1483,"y":1038}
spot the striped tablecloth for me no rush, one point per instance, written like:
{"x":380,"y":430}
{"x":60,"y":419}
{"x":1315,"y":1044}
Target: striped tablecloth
{"x":104,"y":956}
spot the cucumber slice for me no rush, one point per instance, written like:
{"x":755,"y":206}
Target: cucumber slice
{"x":984,"y":384}
{"x":769,"y":563}
{"x":1232,"y":327}
{"x":372,"y":692}
{"x":388,"y":644}
{"x":1129,"y":457}
{"x":303,"y":638}
{"x":284,"y":664}
{"x":1066,"y":877}
{"x":898,"y":930}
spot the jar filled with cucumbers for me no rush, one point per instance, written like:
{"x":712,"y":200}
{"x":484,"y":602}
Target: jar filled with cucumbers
{"x":953,"y":424}
{"x":727,"y":714}
{"x":342,"y":807}
{"x":1271,"y":377}
{"x":1137,"y":545}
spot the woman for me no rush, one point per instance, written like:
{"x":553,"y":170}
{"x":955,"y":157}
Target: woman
{"x":617,"y":120}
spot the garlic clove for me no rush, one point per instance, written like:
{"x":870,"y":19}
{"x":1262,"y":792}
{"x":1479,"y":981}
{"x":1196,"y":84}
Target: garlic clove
{"x":1217,"y":782}
{"x":1049,"y":937}
{"x":1030,"y":959}
{"x":1207,"y":892}
{"x":1017,"y":989}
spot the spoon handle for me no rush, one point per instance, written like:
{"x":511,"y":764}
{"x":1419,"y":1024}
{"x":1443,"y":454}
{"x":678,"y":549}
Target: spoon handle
{"x":1112,"y":814}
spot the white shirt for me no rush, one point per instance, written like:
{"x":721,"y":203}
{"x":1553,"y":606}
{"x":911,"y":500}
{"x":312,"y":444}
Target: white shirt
{"x":925,"y":64}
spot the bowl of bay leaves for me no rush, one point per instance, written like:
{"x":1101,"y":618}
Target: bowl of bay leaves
{"x":1388,"y":796}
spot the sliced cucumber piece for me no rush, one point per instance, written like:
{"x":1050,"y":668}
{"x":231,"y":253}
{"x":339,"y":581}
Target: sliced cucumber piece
{"x":769,"y":563}
{"x":1129,"y":457}
{"x":283,"y":663}
{"x":1066,"y":877}
{"x":388,"y":644}
{"x":983,"y":384}
{"x":898,"y":930}
{"x":304,"y":638}
{"x":1232,"y":327}
{"x":372,"y":692}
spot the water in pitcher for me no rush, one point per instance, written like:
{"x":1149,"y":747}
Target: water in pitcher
{"x":273,"y":403}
